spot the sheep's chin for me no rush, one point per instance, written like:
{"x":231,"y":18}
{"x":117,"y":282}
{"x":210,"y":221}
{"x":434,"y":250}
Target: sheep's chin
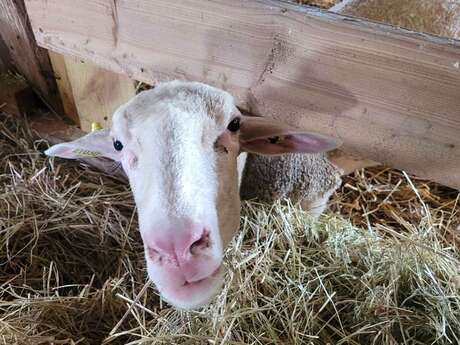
{"x":183,"y":295}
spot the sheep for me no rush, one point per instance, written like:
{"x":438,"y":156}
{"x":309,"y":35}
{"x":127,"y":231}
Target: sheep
{"x":182,"y":147}
{"x":308,"y":179}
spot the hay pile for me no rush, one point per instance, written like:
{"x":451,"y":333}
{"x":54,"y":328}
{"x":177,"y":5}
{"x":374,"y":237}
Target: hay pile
{"x":438,"y":17}
{"x":72,"y":269}
{"x":319,"y":3}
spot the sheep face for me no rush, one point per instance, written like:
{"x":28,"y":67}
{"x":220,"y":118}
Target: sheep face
{"x":179,"y":145}
{"x":181,"y":161}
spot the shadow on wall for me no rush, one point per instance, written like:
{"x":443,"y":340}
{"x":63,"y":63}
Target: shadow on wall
{"x":307,"y":85}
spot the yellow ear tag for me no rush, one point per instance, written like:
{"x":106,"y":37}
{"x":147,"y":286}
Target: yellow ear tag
{"x":96,"y":126}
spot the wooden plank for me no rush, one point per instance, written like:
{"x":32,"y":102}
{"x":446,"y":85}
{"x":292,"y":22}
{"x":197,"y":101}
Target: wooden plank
{"x":97,"y":93}
{"x":89,"y":93}
{"x":64,"y":86}
{"x":438,"y":17}
{"x":32,"y":62}
{"x":390,"y":95}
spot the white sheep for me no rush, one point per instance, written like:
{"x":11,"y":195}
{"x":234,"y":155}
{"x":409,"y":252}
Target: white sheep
{"x":180,"y":145}
{"x":308,"y":179}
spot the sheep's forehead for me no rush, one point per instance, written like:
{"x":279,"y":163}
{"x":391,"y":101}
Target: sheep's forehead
{"x":178,"y":107}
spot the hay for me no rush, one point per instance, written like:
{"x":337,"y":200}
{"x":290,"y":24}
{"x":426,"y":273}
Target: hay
{"x":384,"y":197}
{"x":72,"y":269}
{"x":318,"y":3}
{"x":437,"y":17}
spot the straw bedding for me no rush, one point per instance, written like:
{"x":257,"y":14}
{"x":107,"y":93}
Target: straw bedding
{"x":386,"y":271}
{"x":319,"y":3}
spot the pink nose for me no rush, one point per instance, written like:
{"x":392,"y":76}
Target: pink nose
{"x":187,"y":250}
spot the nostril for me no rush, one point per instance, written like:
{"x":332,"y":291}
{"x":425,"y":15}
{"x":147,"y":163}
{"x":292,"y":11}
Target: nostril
{"x":202,"y":243}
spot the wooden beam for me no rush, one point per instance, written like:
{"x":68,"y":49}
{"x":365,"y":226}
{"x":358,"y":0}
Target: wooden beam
{"x":96,"y":92}
{"x":32,"y":62}
{"x":89,"y":93}
{"x":64,"y":86}
{"x":390,"y":95}
{"x":437,"y":17}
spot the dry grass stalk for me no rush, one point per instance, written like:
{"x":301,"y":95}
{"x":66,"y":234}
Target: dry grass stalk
{"x":319,"y":3}
{"x":439,"y":17}
{"x":384,"y":197}
{"x":72,"y":269}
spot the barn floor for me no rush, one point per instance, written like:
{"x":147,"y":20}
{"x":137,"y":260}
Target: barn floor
{"x":381,"y":268}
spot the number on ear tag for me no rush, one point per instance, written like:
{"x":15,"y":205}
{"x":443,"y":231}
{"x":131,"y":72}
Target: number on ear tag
{"x":86,"y":153}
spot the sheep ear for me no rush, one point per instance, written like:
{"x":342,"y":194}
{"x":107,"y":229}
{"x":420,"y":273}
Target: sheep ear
{"x":271,"y":137}
{"x":94,"y":144}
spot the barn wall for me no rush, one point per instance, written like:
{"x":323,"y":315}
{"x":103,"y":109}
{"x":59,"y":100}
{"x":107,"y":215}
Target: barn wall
{"x":24,"y":54}
{"x":390,"y":95}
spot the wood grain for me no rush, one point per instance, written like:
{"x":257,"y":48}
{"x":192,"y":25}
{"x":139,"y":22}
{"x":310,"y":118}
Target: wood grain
{"x":390,"y":95}
{"x":64,"y":86}
{"x":31,"y":61}
{"x":96,"y":92}
{"x":438,"y":17}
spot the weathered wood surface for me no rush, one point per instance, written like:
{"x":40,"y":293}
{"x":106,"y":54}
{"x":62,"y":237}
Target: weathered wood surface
{"x":90,"y":93}
{"x":64,"y":86}
{"x":438,"y":17}
{"x":97,"y":92}
{"x":390,"y":95}
{"x":31,"y":61}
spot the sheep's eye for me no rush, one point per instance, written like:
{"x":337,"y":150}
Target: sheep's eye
{"x":234,"y":125}
{"x":118,"y":145}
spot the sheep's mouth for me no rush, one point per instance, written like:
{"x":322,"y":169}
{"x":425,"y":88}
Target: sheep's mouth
{"x":190,"y":295}
{"x":185,"y":294}
{"x":212,"y":276}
